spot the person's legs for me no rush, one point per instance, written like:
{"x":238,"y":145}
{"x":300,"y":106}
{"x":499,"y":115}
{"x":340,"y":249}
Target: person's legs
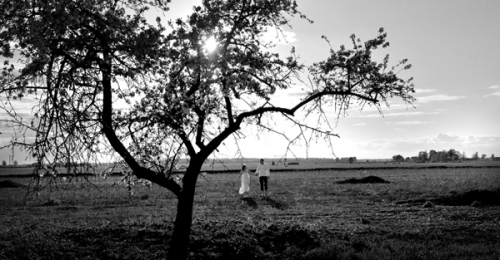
{"x":261,"y":180}
{"x":265,"y":184}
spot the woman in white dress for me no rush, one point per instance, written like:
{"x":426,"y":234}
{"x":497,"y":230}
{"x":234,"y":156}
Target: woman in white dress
{"x":245,"y":181}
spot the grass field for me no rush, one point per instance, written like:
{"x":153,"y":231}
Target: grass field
{"x":234,"y":165}
{"x":449,"y":213}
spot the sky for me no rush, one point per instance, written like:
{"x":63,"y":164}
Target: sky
{"x":453,"y":47}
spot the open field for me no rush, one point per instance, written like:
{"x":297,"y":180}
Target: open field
{"x":234,"y":165}
{"x":449,"y":213}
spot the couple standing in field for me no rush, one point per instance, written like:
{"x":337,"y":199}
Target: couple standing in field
{"x":263,"y":173}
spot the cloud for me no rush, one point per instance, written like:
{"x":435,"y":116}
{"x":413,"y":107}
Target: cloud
{"x":280,"y":37}
{"x":470,"y":141}
{"x":359,"y":124}
{"x":22,"y":114}
{"x":408,"y":123}
{"x":438,"y":97}
{"x":357,"y":107}
{"x":442,"y":141}
{"x":25,"y":100}
{"x":494,"y":87}
{"x":496,"y":93}
{"x":22,"y":107}
{"x":420,"y":90}
{"x":417,"y":113}
{"x":297,"y":94}
{"x":290,"y":36}
{"x":445,"y":138}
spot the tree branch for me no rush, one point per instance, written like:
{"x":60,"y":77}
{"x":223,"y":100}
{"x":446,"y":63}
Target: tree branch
{"x":118,"y":146}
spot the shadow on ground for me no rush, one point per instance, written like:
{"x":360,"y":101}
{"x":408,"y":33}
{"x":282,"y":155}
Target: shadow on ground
{"x":475,"y":198}
{"x":249,"y":201}
{"x":11,"y":184}
{"x":264,"y":201}
{"x":275,"y":203}
{"x":471,"y":198}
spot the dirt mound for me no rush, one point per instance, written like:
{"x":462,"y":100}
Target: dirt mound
{"x":10,"y":184}
{"x":367,"y":179}
{"x":471,"y":198}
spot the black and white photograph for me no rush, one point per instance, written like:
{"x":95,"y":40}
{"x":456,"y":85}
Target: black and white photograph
{"x":249,"y":129}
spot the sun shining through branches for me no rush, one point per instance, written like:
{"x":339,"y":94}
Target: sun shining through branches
{"x":210,"y":44}
{"x":190,"y":81}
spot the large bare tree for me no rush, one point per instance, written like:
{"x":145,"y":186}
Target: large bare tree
{"x":103,"y":77}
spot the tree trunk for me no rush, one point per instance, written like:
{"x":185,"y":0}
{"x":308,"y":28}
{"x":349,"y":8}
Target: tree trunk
{"x":182,"y":227}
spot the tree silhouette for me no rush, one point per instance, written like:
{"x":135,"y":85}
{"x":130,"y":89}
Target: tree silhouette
{"x":433,"y":156}
{"x":423,"y":156}
{"x":398,"y":158}
{"x":107,"y":81}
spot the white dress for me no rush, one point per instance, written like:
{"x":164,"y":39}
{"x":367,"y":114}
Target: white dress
{"x":245,"y":182}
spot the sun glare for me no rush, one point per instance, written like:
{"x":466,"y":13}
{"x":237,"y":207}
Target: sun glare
{"x":210,"y":44}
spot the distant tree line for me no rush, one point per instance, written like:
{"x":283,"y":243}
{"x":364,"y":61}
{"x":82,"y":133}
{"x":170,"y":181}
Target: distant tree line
{"x":57,"y":164}
{"x":346,"y":159}
{"x":72,"y":164}
{"x":451,"y":155}
{"x":4,"y":163}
